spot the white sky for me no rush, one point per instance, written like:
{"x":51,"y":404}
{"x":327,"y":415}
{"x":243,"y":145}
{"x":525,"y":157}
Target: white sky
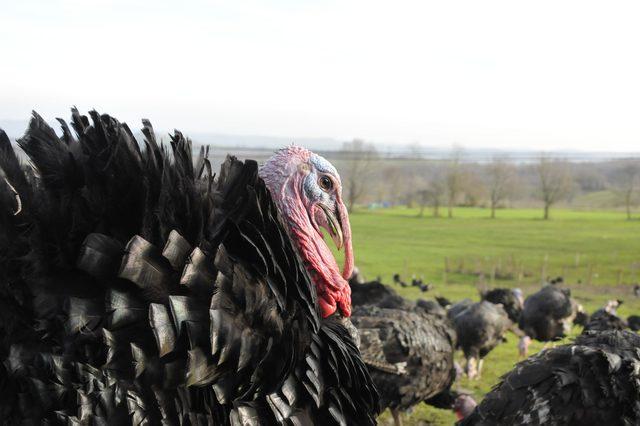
{"x":535,"y":75}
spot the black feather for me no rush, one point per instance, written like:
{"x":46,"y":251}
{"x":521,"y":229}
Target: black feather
{"x":138,"y":289}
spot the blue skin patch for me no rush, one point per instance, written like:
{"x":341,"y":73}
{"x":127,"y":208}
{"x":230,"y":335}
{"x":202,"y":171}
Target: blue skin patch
{"x":311,"y":188}
{"x":322,"y":165}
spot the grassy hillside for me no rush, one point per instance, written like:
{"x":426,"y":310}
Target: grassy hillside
{"x":598,"y":253}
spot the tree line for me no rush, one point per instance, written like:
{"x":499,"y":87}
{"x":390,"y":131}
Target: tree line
{"x":441,"y":185}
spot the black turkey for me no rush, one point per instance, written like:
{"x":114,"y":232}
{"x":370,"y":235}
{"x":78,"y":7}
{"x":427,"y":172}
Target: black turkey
{"x":409,"y":355}
{"x":602,"y":320}
{"x":138,"y":289}
{"x":547,"y":315}
{"x":356,"y":277}
{"x":606,"y":318}
{"x":398,"y":280}
{"x":443,"y":301}
{"x":480,"y":328}
{"x":593,"y":381}
{"x":634,"y":322}
{"x":408,"y":347}
{"x":378,"y":294}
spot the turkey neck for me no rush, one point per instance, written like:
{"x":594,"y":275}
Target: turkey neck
{"x":333,"y":289}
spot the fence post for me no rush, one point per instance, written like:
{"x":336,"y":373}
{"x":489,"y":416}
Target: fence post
{"x":520,"y":273}
{"x":590,"y":274}
{"x":544,"y":268}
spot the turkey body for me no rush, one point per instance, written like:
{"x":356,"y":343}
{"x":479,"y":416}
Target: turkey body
{"x":138,"y":289}
{"x":408,"y":347}
{"x":377,"y":294}
{"x":602,"y":320}
{"x":593,"y":381}
{"x":409,"y":354}
{"x":547,"y":315}
{"x":480,"y":328}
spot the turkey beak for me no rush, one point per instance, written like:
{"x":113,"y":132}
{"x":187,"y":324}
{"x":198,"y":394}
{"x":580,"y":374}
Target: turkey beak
{"x":345,"y":227}
{"x":340,"y":230}
{"x":335,"y":228}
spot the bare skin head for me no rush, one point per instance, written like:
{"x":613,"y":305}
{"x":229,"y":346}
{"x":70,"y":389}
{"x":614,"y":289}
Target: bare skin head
{"x":308,"y":192}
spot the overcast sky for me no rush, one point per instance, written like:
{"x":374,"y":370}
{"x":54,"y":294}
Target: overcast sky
{"x":536,"y":75}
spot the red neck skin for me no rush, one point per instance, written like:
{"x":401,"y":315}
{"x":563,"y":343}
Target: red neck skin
{"x":331,"y":285}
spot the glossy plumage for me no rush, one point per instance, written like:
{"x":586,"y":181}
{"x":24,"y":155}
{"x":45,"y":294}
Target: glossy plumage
{"x":408,"y":347}
{"x":138,"y":289}
{"x":593,"y":381}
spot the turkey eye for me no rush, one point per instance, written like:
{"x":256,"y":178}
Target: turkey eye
{"x":326,"y":183}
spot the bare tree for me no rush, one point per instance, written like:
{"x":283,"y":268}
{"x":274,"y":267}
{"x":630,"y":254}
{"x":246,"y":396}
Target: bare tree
{"x":432,"y":195}
{"x":555,"y":181}
{"x":454,"y":178}
{"x":436,"y":195}
{"x":394,"y":179}
{"x":629,"y":175}
{"x":500,"y":179}
{"x":423,"y":198}
{"x":358,"y":156}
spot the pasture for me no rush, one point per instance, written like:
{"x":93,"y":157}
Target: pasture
{"x":597,"y":253}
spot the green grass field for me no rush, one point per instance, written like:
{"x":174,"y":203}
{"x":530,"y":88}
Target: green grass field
{"x":598,"y":253}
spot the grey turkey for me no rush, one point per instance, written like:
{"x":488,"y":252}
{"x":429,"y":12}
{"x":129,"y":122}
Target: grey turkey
{"x":408,"y":347}
{"x":547,"y":316}
{"x":592,"y":381}
{"x":139,"y":289}
{"x":480,"y":327}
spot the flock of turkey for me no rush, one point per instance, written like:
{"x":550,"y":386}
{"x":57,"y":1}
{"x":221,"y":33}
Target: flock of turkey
{"x":139,"y":287}
{"x":403,"y":342}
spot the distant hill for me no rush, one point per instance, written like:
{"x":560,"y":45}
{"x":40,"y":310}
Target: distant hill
{"x":263,"y":142}
{"x":266,"y":144}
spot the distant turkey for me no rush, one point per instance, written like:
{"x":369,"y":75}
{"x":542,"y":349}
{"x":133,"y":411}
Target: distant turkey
{"x":138,"y":289}
{"x":547,"y":315}
{"x":356,"y":277}
{"x":480,"y":328}
{"x":606,"y":318}
{"x":510,"y":299}
{"x":378,"y":294}
{"x":408,"y":347}
{"x":592,"y":381}
{"x":634,"y":322}
{"x":602,"y":320}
